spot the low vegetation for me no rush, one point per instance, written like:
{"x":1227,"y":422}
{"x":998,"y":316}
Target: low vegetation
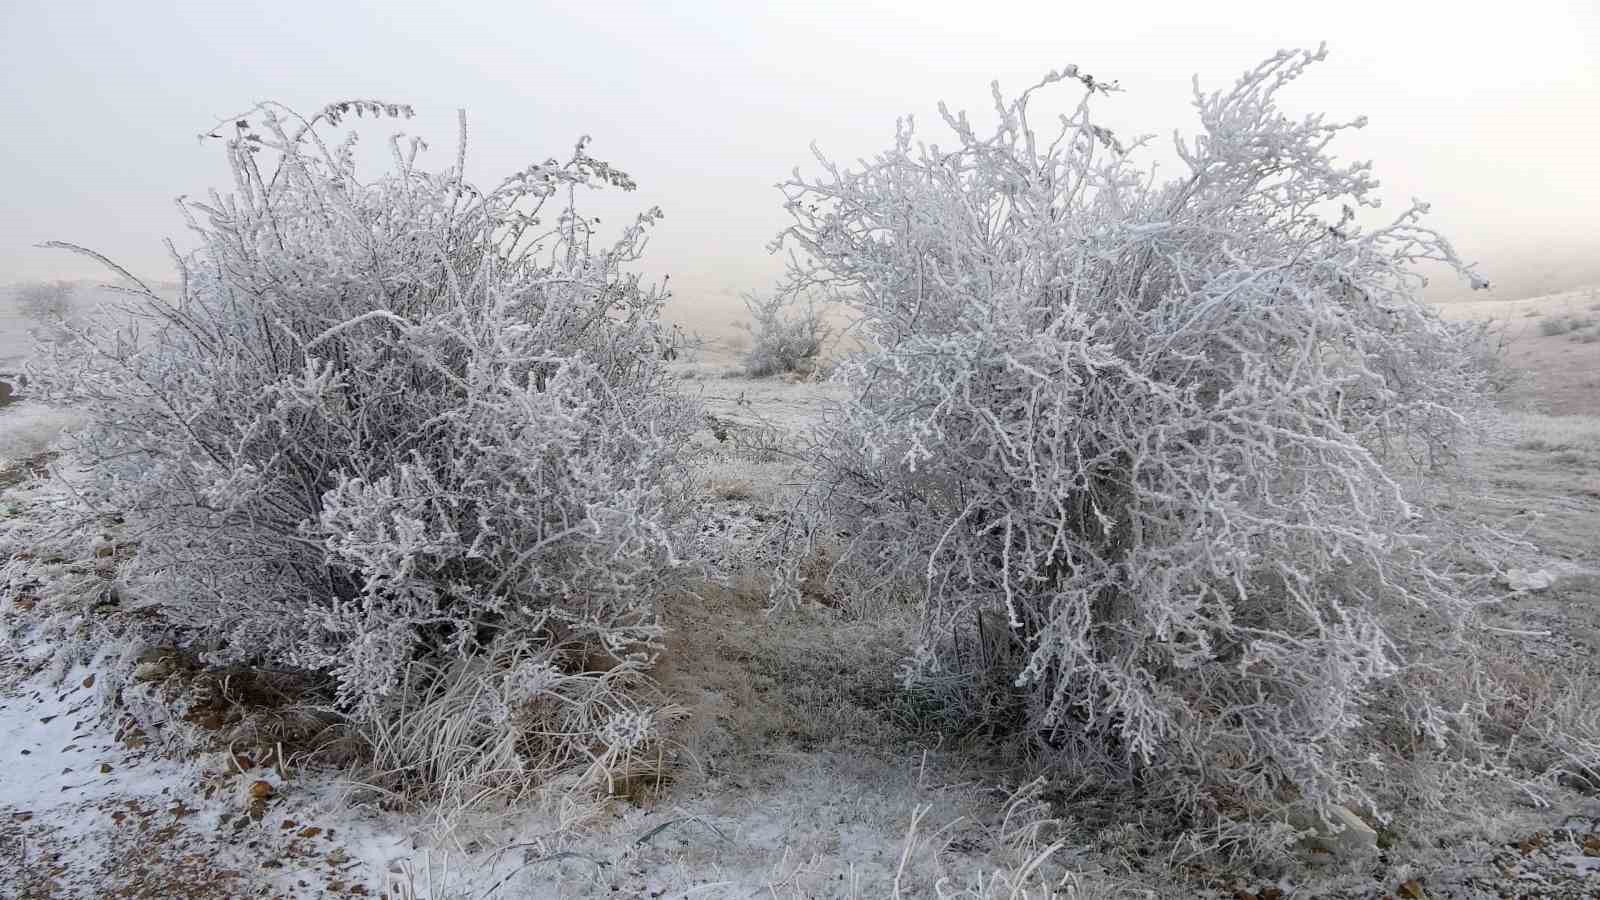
{"x":786,"y":336}
{"x":1155,"y":456}
{"x":398,"y":432}
{"x":1558,"y":325}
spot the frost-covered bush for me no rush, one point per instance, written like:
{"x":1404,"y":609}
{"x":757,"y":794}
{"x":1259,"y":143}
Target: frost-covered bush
{"x":45,"y":302}
{"x":49,"y":305}
{"x":1485,"y":346}
{"x":1161,"y":429}
{"x":783,"y":341}
{"x":387,"y":420}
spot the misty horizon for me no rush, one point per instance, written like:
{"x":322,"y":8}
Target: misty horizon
{"x":708,"y":107}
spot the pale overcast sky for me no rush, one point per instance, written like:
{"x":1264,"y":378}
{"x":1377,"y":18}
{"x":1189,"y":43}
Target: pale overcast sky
{"x":1489,"y":110}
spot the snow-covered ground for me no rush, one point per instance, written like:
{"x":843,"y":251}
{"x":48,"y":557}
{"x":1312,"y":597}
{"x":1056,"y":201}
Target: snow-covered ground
{"x":794,"y":772}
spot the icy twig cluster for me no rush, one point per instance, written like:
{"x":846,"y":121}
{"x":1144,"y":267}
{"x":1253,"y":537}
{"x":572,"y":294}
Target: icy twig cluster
{"x":387,"y":423}
{"x":1153,"y":433}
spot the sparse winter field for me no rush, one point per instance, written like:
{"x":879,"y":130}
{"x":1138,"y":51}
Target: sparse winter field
{"x":795,"y":768}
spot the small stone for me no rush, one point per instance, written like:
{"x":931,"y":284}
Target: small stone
{"x":1530,"y":580}
{"x":1345,"y":835}
{"x":89,"y":682}
{"x":155,"y":670}
{"x":105,"y":768}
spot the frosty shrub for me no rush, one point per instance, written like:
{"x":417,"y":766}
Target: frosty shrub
{"x":1161,"y":432}
{"x":1484,"y":344}
{"x":49,"y":306}
{"x":787,"y":335}
{"x":46,"y":302}
{"x":386,"y":423}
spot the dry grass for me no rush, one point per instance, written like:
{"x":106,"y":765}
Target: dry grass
{"x":1545,"y":433}
{"x":730,"y":489}
{"x":257,"y":716}
{"x":1564,"y":374}
{"x":755,"y":683}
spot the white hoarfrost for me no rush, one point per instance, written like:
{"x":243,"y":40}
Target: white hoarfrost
{"x":1144,"y":445}
{"x":386,"y":427}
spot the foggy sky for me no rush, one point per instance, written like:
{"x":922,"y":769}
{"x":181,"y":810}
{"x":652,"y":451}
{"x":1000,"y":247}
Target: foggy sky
{"x":1492,"y":116}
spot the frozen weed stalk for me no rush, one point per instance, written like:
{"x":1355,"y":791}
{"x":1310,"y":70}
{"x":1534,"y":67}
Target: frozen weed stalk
{"x":1161,"y":432}
{"x":398,"y":430}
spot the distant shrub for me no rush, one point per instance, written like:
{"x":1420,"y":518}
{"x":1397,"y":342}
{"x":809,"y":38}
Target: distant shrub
{"x":46,"y":301}
{"x":1484,"y":346}
{"x":389,"y":424}
{"x":50,"y":306}
{"x":1141,"y":445}
{"x":1555,"y":325}
{"x":787,"y":335}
